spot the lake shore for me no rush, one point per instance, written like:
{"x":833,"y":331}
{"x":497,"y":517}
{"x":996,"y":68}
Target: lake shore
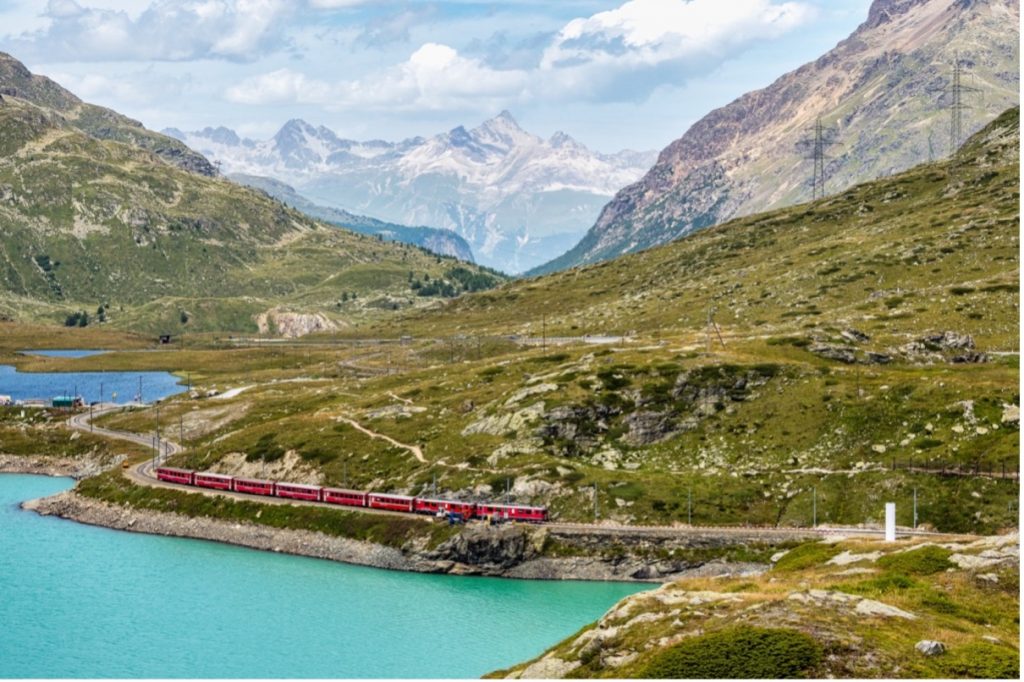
{"x":509,"y":551}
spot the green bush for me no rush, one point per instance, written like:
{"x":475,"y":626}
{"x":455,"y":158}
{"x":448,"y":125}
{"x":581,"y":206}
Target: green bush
{"x":740,"y":652}
{"x":888,"y":582}
{"x":265,"y":449}
{"x":982,"y":660}
{"x":921,"y":561}
{"x":805,"y":556}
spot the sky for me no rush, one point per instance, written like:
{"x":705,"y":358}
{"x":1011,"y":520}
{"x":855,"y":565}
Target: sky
{"x":612,"y":74}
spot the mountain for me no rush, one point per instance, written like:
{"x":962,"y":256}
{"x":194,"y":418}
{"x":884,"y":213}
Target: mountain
{"x":444,"y":242}
{"x":883,"y":93}
{"x":98,"y":122}
{"x":515,"y":197}
{"x":125,"y":220}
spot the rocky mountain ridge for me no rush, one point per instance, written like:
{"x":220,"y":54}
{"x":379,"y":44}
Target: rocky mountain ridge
{"x":884,"y":93}
{"x":444,"y":242}
{"x":16,"y":81}
{"x":514,"y":196}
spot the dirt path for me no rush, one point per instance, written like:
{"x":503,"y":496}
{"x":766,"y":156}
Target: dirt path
{"x":414,"y":449}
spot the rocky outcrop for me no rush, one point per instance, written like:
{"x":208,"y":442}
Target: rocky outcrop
{"x":292,"y":325}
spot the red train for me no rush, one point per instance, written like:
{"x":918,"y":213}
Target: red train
{"x":353,"y":498}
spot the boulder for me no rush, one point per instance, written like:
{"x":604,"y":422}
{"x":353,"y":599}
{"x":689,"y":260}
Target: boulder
{"x":844,"y":354}
{"x":854,"y":336}
{"x":930,"y":647}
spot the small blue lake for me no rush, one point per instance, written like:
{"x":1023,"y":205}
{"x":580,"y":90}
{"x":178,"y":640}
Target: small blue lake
{"x":80,"y":601}
{"x":118,"y":387}
{"x":64,"y":353}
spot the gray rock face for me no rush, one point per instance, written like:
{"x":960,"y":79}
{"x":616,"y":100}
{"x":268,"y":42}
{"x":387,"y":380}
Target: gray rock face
{"x":649,"y":427}
{"x":930,"y":647}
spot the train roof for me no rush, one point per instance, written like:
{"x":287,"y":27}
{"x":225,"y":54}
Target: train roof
{"x":393,"y":496}
{"x":213,"y":475}
{"x":174,"y":470}
{"x":239,"y":479}
{"x":438,"y":500}
{"x":305,"y":486}
{"x":345,"y":490}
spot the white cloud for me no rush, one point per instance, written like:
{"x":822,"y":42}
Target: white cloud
{"x":627,"y":52}
{"x":434,"y":77}
{"x":166,"y":30}
{"x":143,"y":87}
{"x":283,"y":85}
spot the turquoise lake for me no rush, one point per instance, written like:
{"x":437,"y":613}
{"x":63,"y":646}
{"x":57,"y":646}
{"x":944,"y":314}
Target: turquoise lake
{"x":81,"y":601}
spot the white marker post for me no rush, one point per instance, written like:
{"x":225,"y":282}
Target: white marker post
{"x":890,"y":522}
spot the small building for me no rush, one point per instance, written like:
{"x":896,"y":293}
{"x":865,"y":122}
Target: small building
{"x":165,"y":339}
{"x":6,"y":400}
{"x":69,"y":402}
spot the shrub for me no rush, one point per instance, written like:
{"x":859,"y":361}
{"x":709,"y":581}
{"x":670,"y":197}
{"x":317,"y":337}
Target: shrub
{"x":805,"y":556}
{"x":982,"y":660}
{"x":960,"y":291}
{"x":265,"y":449}
{"x":922,"y":561}
{"x":888,"y":582}
{"x":740,"y":652}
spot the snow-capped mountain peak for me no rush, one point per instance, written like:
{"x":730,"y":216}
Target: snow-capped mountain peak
{"x":506,"y":190}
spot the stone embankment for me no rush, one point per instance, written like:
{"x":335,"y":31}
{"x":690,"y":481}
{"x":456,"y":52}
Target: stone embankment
{"x":75,"y":467}
{"x":513,"y":551}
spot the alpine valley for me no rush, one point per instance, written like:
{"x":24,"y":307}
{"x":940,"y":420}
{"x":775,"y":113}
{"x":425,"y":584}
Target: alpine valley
{"x":515,"y":197}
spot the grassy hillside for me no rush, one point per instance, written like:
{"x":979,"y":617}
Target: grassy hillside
{"x":933,"y":248}
{"x":90,"y":223}
{"x":788,"y":416}
{"x":848,"y":609}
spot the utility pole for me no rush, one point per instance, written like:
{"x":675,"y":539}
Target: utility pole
{"x":544,"y":331}
{"x":90,"y":417}
{"x":181,"y":430}
{"x":915,"y":508}
{"x":595,"y":502}
{"x":140,"y":389}
{"x":815,"y":145}
{"x":689,"y":506}
{"x":101,"y":392}
{"x":713,"y":327}
{"x":814,"y":507}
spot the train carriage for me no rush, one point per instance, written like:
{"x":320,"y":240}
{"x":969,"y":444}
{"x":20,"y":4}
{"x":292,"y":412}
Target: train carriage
{"x":253,"y":486}
{"x":432,"y":506}
{"x":514,"y":512}
{"x":299,"y":491}
{"x":402,"y":503}
{"x":172,"y":475}
{"x":350,"y":498}
{"x":215,"y":481}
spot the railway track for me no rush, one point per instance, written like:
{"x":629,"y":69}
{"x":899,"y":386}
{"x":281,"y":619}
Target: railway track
{"x":142,"y":474}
